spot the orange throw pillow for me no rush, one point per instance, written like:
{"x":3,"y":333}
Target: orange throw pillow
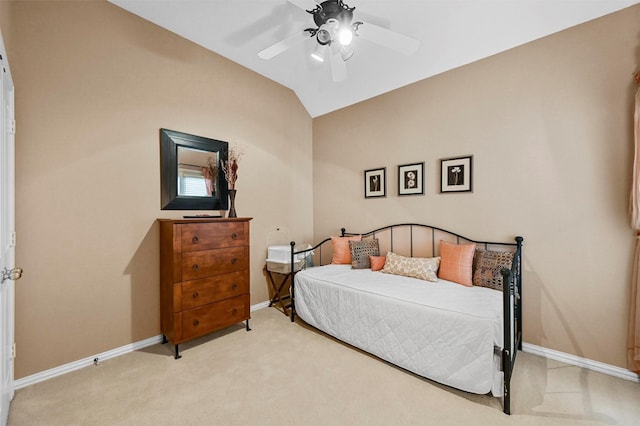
{"x":341,"y":250}
{"x":377,"y":262}
{"x":456,"y":263}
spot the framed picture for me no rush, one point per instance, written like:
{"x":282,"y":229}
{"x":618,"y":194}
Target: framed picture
{"x":411,"y":179}
{"x":456,"y":174}
{"x":375,"y":183}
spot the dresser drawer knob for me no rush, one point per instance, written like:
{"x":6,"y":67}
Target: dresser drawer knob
{"x":234,"y":311}
{"x":234,"y":236}
{"x":195,"y":267}
{"x":234,"y":261}
{"x":195,"y":239}
{"x":195,"y":295}
{"x":196,"y":323}
{"x":234,"y":286}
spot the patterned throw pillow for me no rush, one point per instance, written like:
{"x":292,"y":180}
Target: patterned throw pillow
{"x":457,"y":263}
{"x":360,"y":252}
{"x":415,"y":267}
{"x":377,"y":262}
{"x":341,"y":251}
{"x":488,"y":265}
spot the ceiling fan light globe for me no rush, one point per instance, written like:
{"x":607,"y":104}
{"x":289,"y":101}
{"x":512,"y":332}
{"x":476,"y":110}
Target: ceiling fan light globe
{"x":345,"y":37}
{"x":323,"y":36}
{"x":319,"y":53}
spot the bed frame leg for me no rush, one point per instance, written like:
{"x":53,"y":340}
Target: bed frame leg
{"x":293,"y":301}
{"x":506,"y":369}
{"x":292,"y":285}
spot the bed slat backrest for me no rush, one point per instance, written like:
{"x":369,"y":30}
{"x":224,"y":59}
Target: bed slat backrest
{"x":406,"y":239}
{"x":417,"y":240}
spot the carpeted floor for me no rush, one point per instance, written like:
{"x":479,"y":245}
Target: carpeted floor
{"x":289,"y":374}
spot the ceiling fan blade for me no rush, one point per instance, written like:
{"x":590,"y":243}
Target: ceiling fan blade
{"x":338,"y":67}
{"x":281,"y":46}
{"x":304,"y":4}
{"x":387,"y":38}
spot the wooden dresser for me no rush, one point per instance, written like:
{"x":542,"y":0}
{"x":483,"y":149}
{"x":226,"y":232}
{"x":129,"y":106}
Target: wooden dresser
{"x":204,"y":276}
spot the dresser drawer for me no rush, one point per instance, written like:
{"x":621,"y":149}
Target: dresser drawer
{"x":201,"y":264}
{"x":214,"y":316}
{"x":219,"y":287}
{"x":205,"y":236}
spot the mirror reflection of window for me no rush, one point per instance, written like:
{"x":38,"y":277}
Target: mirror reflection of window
{"x":191,"y":182}
{"x":197,"y":172}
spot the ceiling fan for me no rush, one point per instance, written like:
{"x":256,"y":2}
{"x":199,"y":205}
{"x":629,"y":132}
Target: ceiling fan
{"x":334,"y":32}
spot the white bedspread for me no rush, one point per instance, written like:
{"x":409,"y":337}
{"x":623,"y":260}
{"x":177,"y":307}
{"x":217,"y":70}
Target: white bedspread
{"x":440,"y":330}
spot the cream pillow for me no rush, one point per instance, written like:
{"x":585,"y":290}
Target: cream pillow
{"x":414,"y":267}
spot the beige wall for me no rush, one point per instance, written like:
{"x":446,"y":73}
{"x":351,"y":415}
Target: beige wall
{"x":94,"y":84}
{"x":549,"y":125}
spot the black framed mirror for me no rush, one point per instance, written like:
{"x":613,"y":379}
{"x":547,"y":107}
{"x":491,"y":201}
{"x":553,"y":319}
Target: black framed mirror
{"x":190,"y":174}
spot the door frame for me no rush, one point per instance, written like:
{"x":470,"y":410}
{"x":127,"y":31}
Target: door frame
{"x":7,"y":234}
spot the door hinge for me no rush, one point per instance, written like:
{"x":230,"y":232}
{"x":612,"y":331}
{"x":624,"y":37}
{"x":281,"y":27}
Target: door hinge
{"x":13,"y":350}
{"x":12,"y":127}
{"x":14,"y":239}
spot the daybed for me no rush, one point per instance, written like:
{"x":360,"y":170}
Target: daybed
{"x":464,"y":336}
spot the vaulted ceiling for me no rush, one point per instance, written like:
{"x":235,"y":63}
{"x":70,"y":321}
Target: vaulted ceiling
{"x":451,"y":33}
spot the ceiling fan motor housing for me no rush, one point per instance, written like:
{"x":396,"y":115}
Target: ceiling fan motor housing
{"x":332,"y":9}
{"x":330,"y":16}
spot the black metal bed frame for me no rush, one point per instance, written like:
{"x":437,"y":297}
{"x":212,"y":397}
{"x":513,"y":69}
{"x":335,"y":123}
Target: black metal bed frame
{"x":511,"y":289}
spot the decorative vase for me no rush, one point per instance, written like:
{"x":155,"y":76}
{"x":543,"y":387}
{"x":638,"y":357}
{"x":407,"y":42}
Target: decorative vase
{"x":232,"y":203}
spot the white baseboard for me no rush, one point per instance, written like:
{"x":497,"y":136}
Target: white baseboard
{"x":81,"y":363}
{"x":259,"y":306}
{"x":526,"y":347}
{"x":90,"y":360}
{"x":600,"y":367}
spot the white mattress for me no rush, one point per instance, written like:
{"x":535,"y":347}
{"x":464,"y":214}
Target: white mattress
{"x":440,"y":330}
